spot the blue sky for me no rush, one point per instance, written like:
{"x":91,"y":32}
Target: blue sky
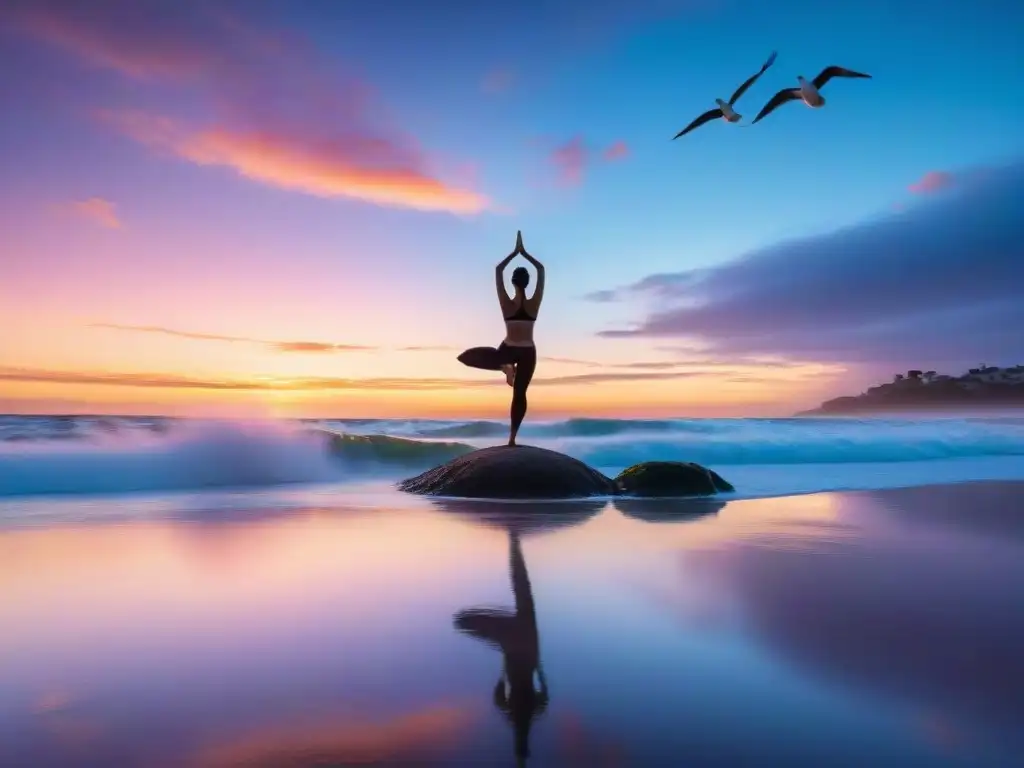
{"x":478,"y":98}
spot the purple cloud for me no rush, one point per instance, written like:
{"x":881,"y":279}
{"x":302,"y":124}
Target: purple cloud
{"x":573,"y":158}
{"x":933,"y":181}
{"x":277,"y":346}
{"x":570,"y":160}
{"x":936,"y":285}
{"x":97,"y":210}
{"x":267,"y":105}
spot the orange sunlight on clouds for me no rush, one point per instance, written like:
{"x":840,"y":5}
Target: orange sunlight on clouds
{"x":97,"y":210}
{"x":333,"y":167}
{"x":682,"y":394}
{"x":345,"y":739}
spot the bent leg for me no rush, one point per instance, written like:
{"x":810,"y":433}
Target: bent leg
{"x":525,"y":367}
{"x":486,"y":358}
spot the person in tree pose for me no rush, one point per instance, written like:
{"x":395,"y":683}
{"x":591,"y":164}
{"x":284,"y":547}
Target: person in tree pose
{"x":516,"y":356}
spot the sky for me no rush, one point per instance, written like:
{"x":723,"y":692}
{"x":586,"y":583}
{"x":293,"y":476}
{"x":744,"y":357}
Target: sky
{"x":295,"y":208}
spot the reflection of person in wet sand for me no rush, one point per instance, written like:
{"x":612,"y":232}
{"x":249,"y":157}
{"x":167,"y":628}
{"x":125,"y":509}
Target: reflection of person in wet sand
{"x":516,"y":355}
{"x":515,"y":635}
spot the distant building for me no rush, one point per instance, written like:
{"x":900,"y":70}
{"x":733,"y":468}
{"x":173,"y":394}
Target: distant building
{"x":986,"y":383}
{"x":1014,"y":375}
{"x":989,"y":375}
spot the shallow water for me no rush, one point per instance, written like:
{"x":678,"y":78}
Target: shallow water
{"x":873,"y":628}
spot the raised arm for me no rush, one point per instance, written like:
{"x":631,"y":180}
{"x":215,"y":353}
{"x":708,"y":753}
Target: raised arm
{"x":538,"y":293}
{"x":499,"y":280}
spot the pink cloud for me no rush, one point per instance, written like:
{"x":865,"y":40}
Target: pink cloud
{"x":275,"y":113}
{"x":573,"y":158}
{"x":570,"y":160}
{"x":116,"y":36}
{"x":355,"y":167}
{"x":277,"y":346}
{"x":616,"y":151}
{"x":97,"y":210}
{"x":933,"y":181}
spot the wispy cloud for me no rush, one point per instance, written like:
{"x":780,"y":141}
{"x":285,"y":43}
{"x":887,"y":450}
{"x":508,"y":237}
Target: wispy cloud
{"x":570,"y":161}
{"x":274,"y":113}
{"x":344,"y":739}
{"x":278,"y":346}
{"x":605,"y":296}
{"x":98,"y":211}
{"x":158,"y":42}
{"x":573,"y":158}
{"x":641,"y":365}
{"x":611,"y":376}
{"x":933,"y":181}
{"x":312,"y":383}
{"x":569,"y":361}
{"x":140,"y":380}
{"x":938,"y":285}
{"x":680,"y":368}
{"x":359,"y":167}
{"x":660,"y":285}
{"x":616,"y":151}
{"x":732,"y":361}
{"x":427,"y":348}
{"x":314,"y":346}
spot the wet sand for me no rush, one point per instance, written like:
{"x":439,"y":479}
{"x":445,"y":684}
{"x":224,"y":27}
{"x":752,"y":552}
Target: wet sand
{"x":867,"y":628}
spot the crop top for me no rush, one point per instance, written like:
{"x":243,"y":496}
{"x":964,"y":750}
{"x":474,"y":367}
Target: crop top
{"x":521,"y":314}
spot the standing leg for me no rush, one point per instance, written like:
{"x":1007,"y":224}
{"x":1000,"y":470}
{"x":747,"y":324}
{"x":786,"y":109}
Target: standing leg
{"x":526,"y":611}
{"x":525,"y":366}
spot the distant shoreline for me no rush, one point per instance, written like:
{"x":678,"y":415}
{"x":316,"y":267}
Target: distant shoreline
{"x":915,"y":410}
{"x":980,"y":390}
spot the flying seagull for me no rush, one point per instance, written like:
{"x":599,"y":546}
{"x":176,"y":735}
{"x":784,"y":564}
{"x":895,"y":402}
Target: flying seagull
{"x":724,"y":109}
{"x":807,"y":91}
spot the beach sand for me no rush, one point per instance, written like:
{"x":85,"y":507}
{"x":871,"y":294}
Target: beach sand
{"x":864,"y":628}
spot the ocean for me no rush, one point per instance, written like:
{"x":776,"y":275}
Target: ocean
{"x":217,"y":594}
{"x":104,"y":456}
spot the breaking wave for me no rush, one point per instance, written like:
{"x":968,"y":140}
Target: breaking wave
{"x":106,"y":455}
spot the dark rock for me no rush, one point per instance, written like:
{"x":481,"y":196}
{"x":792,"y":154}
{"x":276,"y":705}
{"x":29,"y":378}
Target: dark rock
{"x":665,"y":510}
{"x":522,"y":517}
{"x":670,"y":478}
{"x":519,"y":472}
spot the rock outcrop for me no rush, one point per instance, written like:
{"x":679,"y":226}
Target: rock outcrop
{"x":670,"y":478}
{"x":978,"y":390}
{"x":524,"y":517}
{"x":519,"y":472}
{"x":665,"y":510}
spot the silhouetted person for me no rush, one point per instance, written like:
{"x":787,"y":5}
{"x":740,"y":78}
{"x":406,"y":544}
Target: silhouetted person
{"x":515,"y":635}
{"x":516,"y":355}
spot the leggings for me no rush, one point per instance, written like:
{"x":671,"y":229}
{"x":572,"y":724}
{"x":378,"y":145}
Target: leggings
{"x":491,"y":359}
